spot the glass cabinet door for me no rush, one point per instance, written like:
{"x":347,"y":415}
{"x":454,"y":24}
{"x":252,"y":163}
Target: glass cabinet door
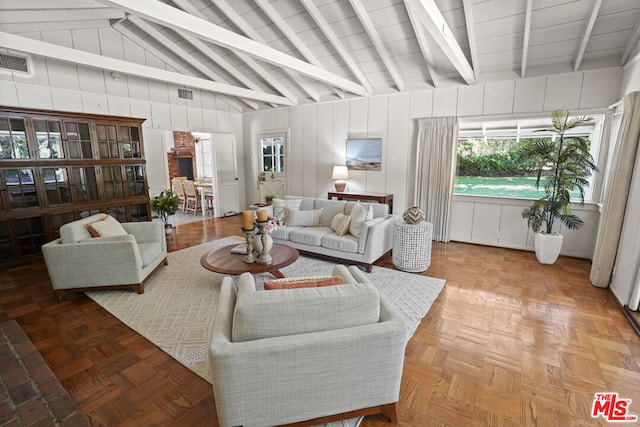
{"x":85,"y":184}
{"x":21,"y":188}
{"x":135,"y":180}
{"x":13,"y":139}
{"x":130,"y":141}
{"x":57,"y":185}
{"x":49,"y":139}
{"x":112,"y":182}
{"x":107,"y":141}
{"x":78,"y":140}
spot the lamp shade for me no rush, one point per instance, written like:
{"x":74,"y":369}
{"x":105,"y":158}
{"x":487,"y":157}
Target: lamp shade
{"x":340,"y":172}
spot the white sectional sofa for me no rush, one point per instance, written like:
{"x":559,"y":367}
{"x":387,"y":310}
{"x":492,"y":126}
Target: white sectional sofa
{"x":375,"y":240}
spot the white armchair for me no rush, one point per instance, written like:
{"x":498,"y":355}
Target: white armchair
{"x":79,"y":262}
{"x":305,"y":355}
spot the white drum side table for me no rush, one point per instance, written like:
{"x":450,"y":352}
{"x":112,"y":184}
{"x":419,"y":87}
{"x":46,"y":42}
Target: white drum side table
{"x":412,"y":246}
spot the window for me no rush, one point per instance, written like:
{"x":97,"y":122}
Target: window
{"x":488,"y":163}
{"x":272,"y":153}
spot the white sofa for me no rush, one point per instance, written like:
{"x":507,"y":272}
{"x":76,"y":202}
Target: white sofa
{"x":375,"y":240}
{"x":294,"y":355}
{"x":78,"y":262}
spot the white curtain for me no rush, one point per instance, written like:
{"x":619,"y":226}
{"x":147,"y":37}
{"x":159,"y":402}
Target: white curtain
{"x":617,"y":192}
{"x":435,"y":171}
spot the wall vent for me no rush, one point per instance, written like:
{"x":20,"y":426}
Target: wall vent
{"x":185,"y":94}
{"x":19,"y":65}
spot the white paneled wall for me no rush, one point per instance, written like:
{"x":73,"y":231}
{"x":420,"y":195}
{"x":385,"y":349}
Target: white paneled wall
{"x":392,"y":117}
{"x":62,"y":86}
{"x":498,"y":221}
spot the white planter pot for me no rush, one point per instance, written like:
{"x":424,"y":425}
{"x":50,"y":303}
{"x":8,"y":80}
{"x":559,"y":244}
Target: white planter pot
{"x":548,"y":247}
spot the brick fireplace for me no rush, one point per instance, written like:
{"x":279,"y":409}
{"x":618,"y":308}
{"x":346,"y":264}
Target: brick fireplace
{"x":182,"y":157}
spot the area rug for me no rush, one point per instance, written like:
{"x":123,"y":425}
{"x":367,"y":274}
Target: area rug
{"x":177,"y":309}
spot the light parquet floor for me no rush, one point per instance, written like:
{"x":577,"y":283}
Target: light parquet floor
{"x":508,"y":342}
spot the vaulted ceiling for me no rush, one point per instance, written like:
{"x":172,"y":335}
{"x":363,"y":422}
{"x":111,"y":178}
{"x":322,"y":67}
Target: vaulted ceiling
{"x":290,"y":52}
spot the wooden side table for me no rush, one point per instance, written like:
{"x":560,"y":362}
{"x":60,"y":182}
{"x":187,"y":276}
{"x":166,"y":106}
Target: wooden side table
{"x":384,"y":198}
{"x":411,"y":246}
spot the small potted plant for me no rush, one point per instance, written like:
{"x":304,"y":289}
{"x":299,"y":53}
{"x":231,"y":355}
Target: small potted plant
{"x":165,"y":205}
{"x":268,"y":198}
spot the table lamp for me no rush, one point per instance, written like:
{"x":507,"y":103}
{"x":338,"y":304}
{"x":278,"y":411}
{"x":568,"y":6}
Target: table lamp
{"x":340,"y":174}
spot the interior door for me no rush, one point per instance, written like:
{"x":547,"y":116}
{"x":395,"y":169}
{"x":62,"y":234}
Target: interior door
{"x":226,"y":200}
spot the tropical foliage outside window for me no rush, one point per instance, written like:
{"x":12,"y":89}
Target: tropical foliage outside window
{"x":492,"y":166}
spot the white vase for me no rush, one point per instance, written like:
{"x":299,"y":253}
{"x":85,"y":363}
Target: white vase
{"x":548,"y":247}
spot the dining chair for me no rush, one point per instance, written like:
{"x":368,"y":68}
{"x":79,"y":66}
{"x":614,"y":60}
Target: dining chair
{"x":192,"y":200}
{"x":178,"y":188}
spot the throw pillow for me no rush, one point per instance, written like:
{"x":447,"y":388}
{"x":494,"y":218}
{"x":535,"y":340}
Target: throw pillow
{"x":340,"y":224}
{"x":360,"y":213}
{"x":298,"y":218}
{"x":280,"y":208}
{"x":303,"y":282}
{"x":106,"y":228}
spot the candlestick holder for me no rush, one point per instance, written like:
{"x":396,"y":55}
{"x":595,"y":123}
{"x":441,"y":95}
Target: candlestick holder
{"x":249,"y":258}
{"x":265,"y":243}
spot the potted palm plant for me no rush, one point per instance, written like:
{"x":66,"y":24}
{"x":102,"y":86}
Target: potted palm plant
{"x":562,"y":164}
{"x":165,"y":205}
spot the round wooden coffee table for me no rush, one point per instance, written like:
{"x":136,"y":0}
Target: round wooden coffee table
{"x":224,"y":262}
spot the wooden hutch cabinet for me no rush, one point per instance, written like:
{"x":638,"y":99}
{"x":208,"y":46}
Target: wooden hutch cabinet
{"x":57,"y":167}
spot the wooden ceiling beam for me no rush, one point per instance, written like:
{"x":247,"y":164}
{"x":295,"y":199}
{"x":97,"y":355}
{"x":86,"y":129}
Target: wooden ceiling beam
{"x":632,"y":42}
{"x":175,"y":19}
{"x":587,"y":33}
{"x":428,"y":13}
{"x":418,"y":28}
{"x":525,"y":41}
{"x":378,"y":43}
{"x":248,"y":30}
{"x":471,"y":35}
{"x":74,"y":56}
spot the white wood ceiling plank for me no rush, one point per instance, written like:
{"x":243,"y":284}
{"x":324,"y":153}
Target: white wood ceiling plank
{"x":632,"y":41}
{"x":490,"y":10}
{"x":66,"y":54}
{"x":499,"y":27}
{"x":468,"y":17}
{"x":525,"y":41}
{"x":326,"y":29}
{"x":155,"y":58}
{"x":176,"y":19}
{"x":433,"y":21}
{"x":561,"y":13}
{"x":23,"y":28}
{"x":587,"y":33}
{"x":51,"y":15}
{"x":289,"y":33}
{"x":48,"y":4}
{"x":243,"y":26}
{"x":226,"y":65}
{"x":369,"y":26}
